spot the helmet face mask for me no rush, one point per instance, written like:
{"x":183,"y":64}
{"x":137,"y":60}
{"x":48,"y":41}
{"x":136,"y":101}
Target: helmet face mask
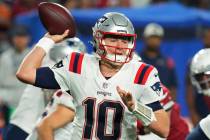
{"x":200,"y":71}
{"x":116,"y":27}
{"x":202,"y":83}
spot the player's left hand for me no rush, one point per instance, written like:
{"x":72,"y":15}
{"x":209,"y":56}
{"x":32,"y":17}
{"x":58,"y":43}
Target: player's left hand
{"x":127,"y":98}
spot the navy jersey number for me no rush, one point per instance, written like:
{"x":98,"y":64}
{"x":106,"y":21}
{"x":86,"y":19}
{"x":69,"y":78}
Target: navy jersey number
{"x":101,"y":119}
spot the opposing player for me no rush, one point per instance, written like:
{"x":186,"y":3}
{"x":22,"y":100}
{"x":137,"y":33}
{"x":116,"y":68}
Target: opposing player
{"x":200,"y":77}
{"x":110,"y":91}
{"x":34,"y":100}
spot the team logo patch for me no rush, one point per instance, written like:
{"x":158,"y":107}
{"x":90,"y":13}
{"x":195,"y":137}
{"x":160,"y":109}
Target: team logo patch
{"x":101,"y":20}
{"x":58,"y":65}
{"x":157,"y":88}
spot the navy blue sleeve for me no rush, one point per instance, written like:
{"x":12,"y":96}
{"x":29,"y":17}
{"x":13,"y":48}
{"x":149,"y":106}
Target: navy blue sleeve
{"x":197,"y":134}
{"x":155,"y":106}
{"x":45,"y":79}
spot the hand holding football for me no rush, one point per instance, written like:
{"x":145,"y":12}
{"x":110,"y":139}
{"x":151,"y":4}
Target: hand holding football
{"x":56,"y":19}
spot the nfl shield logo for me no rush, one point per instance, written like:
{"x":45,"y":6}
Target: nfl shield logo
{"x":105,"y":85}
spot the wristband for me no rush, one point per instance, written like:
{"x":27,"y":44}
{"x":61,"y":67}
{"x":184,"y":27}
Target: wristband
{"x":45,"y":43}
{"x":144,"y":114}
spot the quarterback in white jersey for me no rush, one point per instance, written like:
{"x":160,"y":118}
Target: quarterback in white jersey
{"x":59,"y":98}
{"x":100,"y":110}
{"x":110,"y":92}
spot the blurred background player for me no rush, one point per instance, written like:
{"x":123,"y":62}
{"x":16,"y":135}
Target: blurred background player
{"x":5,"y":24}
{"x":198,"y":104}
{"x":200,"y":77}
{"x":9,"y":63}
{"x":178,"y":126}
{"x":34,"y":99}
{"x":151,"y":54}
{"x":52,"y":112}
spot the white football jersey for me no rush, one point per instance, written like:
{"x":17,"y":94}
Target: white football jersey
{"x":205,"y":125}
{"x":29,"y":109}
{"x":61,"y":133}
{"x":100,"y":112}
{"x":32,"y":104}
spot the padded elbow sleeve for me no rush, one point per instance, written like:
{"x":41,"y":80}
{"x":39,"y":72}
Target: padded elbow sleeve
{"x":45,"y":79}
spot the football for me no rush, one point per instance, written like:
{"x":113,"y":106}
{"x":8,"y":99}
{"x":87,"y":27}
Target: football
{"x":56,"y":18}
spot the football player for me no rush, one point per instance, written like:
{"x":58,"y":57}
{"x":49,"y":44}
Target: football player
{"x":59,"y":134}
{"x":200,"y":77}
{"x":34,"y":99}
{"x":110,"y":91}
{"x":52,"y":112}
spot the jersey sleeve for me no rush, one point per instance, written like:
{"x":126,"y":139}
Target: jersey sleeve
{"x":45,"y":79}
{"x":65,"y":99}
{"x":152,"y":87}
{"x":166,"y":99}
{"x":64,"y":69}
{"x":61,"y":73}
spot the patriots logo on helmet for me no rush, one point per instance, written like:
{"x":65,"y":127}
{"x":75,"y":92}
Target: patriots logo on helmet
{"x":101,"y":20}
{"x":157,"y":88}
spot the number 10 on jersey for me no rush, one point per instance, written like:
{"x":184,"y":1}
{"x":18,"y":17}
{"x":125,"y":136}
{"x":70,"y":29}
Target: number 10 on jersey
{"x":101,"y":110}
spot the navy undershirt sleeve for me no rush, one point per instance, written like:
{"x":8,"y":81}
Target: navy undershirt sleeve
{"x":45,"y":79}
{"x":197,"y":134}
{"x":155,"y":106}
